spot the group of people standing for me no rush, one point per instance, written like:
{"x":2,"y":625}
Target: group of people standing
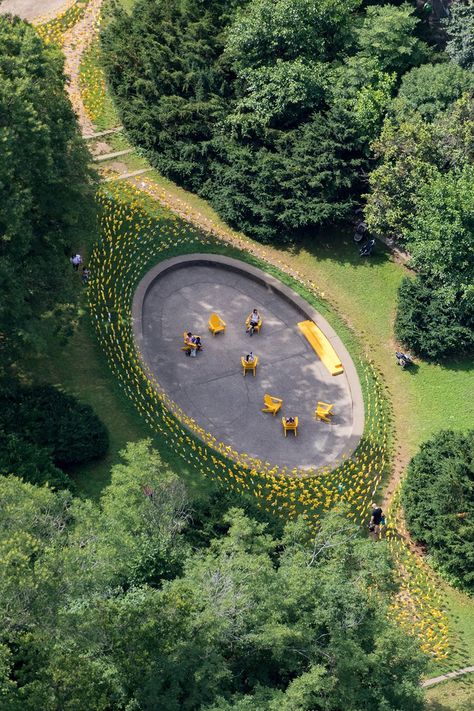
{"x":76,"y":261}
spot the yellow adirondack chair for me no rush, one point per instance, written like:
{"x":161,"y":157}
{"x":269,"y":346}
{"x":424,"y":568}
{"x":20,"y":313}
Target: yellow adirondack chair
{"x":289,"y":426}
{"x":216,"y":324}
{"x":272,"y":404}
{"x":188,"y":346}
{"x":324,"y":411}
{"x":256,"y":327}
{"x":249,"y":365}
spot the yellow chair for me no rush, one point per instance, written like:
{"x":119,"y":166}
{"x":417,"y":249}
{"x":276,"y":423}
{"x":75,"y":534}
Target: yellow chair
{"x":272,"y":404}
{"x":324,"y":411}
{"x":289,"y":426}
{"x":257,"y":327}
{"x":188,"y":346}
{"x":249,"y":365}
{"x":216,"y":324}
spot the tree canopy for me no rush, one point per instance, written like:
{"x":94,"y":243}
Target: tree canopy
{"x":438,"y":498}
{"x":46,"y":190}
{"x":266,"y":109}
{"x":111,"y":607}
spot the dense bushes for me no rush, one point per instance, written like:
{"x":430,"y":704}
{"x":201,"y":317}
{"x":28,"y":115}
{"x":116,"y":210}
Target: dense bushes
{"x":432,"y":322}
{"x":438,"y":498}
{"x":54,"y":424}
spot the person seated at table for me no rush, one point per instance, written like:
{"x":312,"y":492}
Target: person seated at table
{"x":253,"y":320}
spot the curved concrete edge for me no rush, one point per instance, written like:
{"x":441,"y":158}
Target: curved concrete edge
{"x":272,"y":284}
{"x":447,"y":677}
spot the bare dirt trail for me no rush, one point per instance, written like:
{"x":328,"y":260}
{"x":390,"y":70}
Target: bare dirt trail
{"x":76,"y":41}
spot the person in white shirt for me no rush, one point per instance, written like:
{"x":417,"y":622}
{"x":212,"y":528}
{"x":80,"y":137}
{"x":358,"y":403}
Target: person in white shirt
{"x":76,"y":260}
{"x":254,"y":320}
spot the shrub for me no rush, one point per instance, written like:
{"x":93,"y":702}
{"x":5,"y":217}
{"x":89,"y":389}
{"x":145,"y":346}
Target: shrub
{"x":438,"y":498}
{"x":432,"y":322}
{"x":30,"y":462}
{"x":48,"y":418}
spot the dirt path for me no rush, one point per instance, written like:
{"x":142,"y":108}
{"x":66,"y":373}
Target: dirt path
{"x":76,"y":41}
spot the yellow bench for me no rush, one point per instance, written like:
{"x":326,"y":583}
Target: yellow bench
{"x":321,"y":345}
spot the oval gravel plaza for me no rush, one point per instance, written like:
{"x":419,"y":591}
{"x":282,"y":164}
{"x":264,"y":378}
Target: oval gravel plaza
{"x":179,"y":295}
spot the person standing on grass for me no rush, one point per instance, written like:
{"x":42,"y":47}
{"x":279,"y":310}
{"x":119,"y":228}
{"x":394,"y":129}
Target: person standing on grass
{"x":76,"y":260}
{"x":376,"y":520}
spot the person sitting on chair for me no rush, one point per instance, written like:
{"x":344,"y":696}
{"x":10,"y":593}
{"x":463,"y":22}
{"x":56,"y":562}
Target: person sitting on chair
{"x":250,"y":357}
{"x":197,"y":342}
{"x":253,"y":321}
{"x":289,"y":420}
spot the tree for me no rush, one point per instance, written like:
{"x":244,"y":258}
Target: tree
{"x":408,"y":161}
{"x":248,"y":622}
{"x":438,"y":499}
{"x":163,"y":65}
{"x":266,"y":31}
{"x":279,"y":95}
{"x":431,"y":88}
{"x":460,"y":28}
{"x":433,"y":321}
{"x":46,"y":193}
{"x":441,"y":233}
{"x":388,"y":35}
{"x":30,"y":462}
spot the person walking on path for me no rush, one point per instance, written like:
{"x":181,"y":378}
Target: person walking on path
{"x":377,"y":520}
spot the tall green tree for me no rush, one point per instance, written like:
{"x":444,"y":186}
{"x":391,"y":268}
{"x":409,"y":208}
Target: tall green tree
{"x":266,"y":31}
{"x":431,"y":88}
{"x":46,"y":190}
{"x":388,"y":35}
{"x":438,"y":498}
{"x":460,"y":29}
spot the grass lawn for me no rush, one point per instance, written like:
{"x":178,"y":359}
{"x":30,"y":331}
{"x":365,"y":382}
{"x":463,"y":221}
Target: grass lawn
{"x":456,"y":695}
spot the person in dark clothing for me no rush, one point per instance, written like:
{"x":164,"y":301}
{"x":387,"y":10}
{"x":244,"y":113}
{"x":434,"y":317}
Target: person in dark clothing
{"x":376,"y":520}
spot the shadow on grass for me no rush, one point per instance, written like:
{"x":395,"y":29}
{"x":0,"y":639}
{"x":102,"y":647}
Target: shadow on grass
{"x":336,"y":244}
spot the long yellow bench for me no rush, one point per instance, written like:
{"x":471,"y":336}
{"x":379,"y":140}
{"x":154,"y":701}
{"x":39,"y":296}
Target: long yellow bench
{"x":322,"y":346}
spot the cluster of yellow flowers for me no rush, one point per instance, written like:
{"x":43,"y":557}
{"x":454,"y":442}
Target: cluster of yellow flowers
{"x":95,"y":98}
{"x":53,"y":31}
{"x":131,"y":242}
{"x":418,"y":605}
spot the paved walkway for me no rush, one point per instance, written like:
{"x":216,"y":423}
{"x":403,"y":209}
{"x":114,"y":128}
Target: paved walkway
{"x":449,"y":675}
{"x":211,"y":388}
{"x":33,"y":9}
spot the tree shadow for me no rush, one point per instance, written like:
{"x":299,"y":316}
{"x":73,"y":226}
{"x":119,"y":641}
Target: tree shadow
{"x":336,"y":243}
